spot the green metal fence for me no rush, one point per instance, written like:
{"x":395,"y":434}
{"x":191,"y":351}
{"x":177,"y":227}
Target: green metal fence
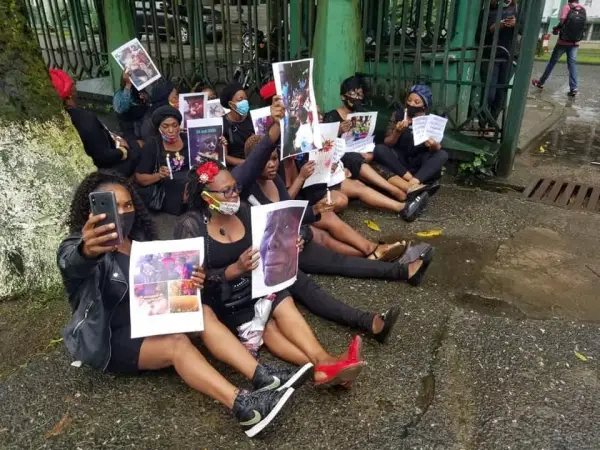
{"x":70,"y":34}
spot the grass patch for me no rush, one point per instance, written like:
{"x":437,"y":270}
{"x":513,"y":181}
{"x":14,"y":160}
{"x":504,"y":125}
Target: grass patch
{"x":584,"y":56}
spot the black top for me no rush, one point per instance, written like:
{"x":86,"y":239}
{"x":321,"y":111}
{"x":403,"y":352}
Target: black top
{"x":97,"y":141}
{"x":236,"y":134}
{"x":332,"y":116}
{"x":505,"y":35}
{"x":223,"y":254}
{"x":153,"y":155}
{"x":121,"y":316}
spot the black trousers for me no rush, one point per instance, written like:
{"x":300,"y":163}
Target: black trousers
{"x":426,"y":167}
{"x":321,"y":260}
{"x":306,"y":292}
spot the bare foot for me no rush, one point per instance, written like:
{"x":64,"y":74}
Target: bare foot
{"x":378,"y":324}
{"x":413,"y":267}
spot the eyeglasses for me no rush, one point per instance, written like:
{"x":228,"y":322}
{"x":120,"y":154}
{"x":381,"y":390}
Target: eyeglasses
{"x":228,"y":192}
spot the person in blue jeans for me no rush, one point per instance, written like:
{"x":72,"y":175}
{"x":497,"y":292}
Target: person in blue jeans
{"x":571,"y":31}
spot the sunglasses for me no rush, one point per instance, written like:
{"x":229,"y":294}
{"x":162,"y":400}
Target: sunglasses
{"x":228,"y":192}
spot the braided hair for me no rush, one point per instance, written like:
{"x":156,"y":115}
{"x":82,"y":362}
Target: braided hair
{"x":143,"y":228}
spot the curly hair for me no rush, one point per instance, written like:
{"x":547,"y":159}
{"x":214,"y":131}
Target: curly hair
{"x":144,"y":228}
{"x":195,"y":187}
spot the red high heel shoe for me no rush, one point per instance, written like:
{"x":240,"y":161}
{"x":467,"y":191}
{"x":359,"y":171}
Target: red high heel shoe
{"x":343,"y":372}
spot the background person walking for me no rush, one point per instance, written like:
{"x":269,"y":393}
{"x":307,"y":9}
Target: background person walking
{"x":571,"y":29}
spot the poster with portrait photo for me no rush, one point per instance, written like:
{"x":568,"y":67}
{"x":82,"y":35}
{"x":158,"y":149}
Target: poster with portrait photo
{"x":261,"y":120}
{"x":275,"y":229}
{"x":162,"y":296}
{"x":323,"y":157}
{"x":300,"y":125}
{"x":360,"y":138}
{"x":132,"y":56}
{"x":214,"y":109}
{"x":192,"y":107}
{"x":204,"y":140}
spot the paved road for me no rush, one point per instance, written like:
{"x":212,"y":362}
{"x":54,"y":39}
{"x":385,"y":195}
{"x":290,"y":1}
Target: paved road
{"x":462,"y":370}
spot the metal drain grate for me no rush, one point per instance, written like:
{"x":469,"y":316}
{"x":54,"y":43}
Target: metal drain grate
{"x":565,"y":194}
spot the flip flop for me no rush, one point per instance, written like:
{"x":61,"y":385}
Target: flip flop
{"x":395,"y":251}
{"x":340,"y":372}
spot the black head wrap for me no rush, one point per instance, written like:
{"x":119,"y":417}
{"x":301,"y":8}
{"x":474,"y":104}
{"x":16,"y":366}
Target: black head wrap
{"x":160,"y":93}
{"x":228,"y":93}
{"x":163,"y":113}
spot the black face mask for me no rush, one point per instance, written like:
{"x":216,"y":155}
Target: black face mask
{"x":353,"y":104}
{"x":412,"y":111}
{"x":127,"y":220}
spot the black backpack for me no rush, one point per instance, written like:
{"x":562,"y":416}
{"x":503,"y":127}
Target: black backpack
{"x":574,"y":27}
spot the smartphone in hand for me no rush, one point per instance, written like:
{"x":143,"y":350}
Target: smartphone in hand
{"x":106,"y":203}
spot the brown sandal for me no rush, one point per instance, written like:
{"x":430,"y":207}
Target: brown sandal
{"x":393,"y":253}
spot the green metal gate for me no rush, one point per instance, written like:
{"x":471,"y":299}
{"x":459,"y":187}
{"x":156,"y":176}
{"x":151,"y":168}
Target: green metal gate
{"x":70,"y":34}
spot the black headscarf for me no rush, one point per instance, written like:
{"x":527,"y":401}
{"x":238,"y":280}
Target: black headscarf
{"x":163,"y":113}
{"x":228,"y":93}
{"x":159,"y":95}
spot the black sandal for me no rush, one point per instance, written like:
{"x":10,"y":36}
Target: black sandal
{"x":390,"y":317}
{"x":426,"y":257}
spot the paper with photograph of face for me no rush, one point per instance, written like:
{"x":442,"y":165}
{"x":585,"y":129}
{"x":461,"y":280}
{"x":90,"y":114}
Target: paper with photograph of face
{"x":133,"y":57}
{"x":162,"y":297}
{"x":261,"y":120}
{"x":324,"y":156}
{"x":204,"y":140}
{"x":214,"y":109}
{"x":300,"y":125}
{"x":360,"y":137}
{"x":275,"y":230}
{"x":192,"y":107}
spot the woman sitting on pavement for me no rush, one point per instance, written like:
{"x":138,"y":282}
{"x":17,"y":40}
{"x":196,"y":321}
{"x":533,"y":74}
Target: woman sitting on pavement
{"x":130,"y":106}
{"x":217,"y":215}
{"x":268,"y":187}
{"x":107,"y":150}
{"x":162,"y":93}
{"x":99,"y":334}
{"x":418,"y":165}
{"x":164,"y":165}
{"x":237,"y":123}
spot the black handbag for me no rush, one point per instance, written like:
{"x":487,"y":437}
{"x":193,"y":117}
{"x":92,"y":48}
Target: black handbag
{"x":240,"y":294}
{"x":157,"y":195}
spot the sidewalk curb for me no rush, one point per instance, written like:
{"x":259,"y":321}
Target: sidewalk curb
{"x":531,"y":136}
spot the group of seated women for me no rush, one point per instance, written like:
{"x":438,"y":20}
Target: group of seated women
{"x":214,"y":202}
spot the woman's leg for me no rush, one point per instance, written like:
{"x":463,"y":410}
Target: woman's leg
{"x":370,"y":197}
{"x":343,"y":232}
{"x":159,"y":352}
{"x":307,"y":293}
{"x":323,"y":238}
{"x":400,"y":183}
{"x":370,"y":176}
{"x":293,"y":326}
{"x":280,"y":347}
{"x":340,"y":200}
{"x":224,"y":346}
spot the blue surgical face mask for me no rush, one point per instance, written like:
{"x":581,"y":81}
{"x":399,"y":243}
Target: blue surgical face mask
{"x":242,"y":107}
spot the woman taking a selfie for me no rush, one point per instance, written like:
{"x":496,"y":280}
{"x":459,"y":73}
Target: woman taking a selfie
{"x":96,"y":277}
{"x":162,"y":171}
{"x":217,"y":215}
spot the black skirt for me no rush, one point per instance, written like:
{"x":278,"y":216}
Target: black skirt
{"x":124,"y":351}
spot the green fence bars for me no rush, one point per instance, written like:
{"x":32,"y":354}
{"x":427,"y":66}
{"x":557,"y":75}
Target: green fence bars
{"x":70,"y":34}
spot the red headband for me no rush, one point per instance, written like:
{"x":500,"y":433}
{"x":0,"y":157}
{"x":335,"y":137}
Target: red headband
{"x":207,"y":171}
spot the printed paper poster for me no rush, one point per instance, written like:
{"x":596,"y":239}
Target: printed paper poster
{"x":214,"y":109}
{"x":192,"y":107}
{"x":162,"y":297}
{"x":323,"y":157}
{"x":275,"y":230}
{"x":360,"y":137}
{"x":428,"y":127}
{"x":132,"y":56}
{"x":261,"y":120}
{"x":204,"y":139}
{"x":299,"y":128}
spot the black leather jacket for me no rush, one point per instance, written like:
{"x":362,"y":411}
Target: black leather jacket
{"x":88,"y":281}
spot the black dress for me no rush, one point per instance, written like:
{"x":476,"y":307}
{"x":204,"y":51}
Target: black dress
{"x":352,"y":161}
{"x":154,"y":156}
{"x":236,"y":134}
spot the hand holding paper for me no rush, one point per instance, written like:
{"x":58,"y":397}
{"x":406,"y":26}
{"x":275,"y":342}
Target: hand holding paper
{"x":428,"y":127}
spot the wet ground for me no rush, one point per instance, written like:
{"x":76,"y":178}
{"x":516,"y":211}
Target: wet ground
{"x":574,"y":142}
{"x":465,"y":368}
{"x":498,"y":349}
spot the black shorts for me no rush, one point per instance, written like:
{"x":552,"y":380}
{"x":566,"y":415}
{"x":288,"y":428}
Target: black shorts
{"x":382,"y":170}
{"x":124,"y":351}
{"x":316,"y":192}
{"x":353,"y":162}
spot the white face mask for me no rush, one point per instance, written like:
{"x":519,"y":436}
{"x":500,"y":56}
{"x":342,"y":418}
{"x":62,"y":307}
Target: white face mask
{"x":229,"y":208}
